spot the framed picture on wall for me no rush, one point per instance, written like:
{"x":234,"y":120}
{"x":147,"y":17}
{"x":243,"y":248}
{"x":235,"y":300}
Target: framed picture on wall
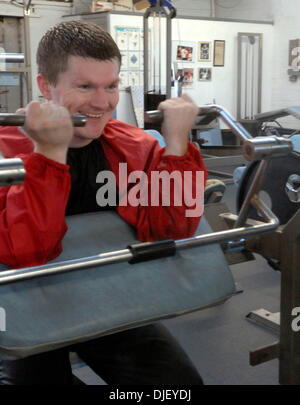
{"x":186,"y":76}
{"x":204,"y":74}
{"x":204,"y":51}
{"x":183,"y":51}
{"x":219,"y":53}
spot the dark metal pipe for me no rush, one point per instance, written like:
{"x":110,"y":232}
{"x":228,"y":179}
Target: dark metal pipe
{"x":12,"y":171}
{"x":19,"y":120}
{"x":12,"y":57}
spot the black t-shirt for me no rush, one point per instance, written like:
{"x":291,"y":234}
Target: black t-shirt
{"x":85,"y":163}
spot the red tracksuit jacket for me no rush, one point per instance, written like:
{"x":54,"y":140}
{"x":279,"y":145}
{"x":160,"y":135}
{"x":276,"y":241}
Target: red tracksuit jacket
{"x":32,"y":215}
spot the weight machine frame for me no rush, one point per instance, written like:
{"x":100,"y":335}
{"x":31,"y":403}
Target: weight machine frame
{"x":158,"y":10}
{"x":282,"y":243}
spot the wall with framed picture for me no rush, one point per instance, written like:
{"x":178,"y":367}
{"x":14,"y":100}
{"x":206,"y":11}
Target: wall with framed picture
{"x":219,"y":53}
{"x":215,"y":66}
{"x":184,"y":51}
{"x":204,"y":74}
{"x":205,"y":51}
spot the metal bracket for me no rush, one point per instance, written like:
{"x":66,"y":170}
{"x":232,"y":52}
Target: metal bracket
{"x":264,"y":354}
{"x":271,"y":321}
{"x":262,"y":317}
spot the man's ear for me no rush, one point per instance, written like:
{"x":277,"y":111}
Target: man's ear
{"x":44,"y":86}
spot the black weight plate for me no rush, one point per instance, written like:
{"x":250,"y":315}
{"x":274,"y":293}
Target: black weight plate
{"x":276,"y":176}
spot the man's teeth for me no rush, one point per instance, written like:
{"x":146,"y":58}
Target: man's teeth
{"x":94,"y":115}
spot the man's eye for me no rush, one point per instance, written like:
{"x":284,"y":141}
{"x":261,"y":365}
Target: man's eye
{"x":113,"y":86}
{"x":84,"y":86}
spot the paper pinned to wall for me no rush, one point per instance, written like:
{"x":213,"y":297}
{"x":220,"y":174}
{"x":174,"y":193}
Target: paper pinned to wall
{"x":130,"y":41}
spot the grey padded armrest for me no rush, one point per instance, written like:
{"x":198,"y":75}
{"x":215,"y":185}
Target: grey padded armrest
{"x":47,"y":313}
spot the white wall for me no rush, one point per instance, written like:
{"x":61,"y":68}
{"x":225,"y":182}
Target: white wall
{"x":277,"y":90}
{"x":8,"y":9}
{"x":286,"y":27}
{"x":223,"y":87}
{"x":258,"y":10}
{"x":286,"y":16}
{"x":45,"y":15}
{"x":201,"y":8}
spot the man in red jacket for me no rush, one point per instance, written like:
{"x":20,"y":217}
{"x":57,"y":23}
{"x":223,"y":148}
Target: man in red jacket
{"x":79,"y":67}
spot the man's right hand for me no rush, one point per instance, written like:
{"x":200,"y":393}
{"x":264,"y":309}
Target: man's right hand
{"x":50,"y":128}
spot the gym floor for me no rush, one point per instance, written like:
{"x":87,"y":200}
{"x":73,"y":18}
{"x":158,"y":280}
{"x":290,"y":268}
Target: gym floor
{"x":219,"y":339}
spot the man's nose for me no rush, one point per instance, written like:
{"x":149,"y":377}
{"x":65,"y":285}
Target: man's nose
{"x":100,"y":100}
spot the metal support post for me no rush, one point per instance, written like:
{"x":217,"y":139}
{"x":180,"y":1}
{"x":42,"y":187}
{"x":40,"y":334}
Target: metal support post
{"x":27,"y":54}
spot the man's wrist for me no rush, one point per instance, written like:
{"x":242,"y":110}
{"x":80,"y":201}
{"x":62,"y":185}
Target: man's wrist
{"x":175,"y":151}
{"x":57,"y":154}
{"x":176,"y":148}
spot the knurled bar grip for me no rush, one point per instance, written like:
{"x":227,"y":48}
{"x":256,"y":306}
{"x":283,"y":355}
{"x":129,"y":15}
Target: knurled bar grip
{"x":16,"y":120}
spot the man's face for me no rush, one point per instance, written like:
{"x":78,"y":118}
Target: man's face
{"x":88,"y":87}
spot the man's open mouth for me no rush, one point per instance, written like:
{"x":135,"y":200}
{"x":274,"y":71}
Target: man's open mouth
{"x":93,"y":115}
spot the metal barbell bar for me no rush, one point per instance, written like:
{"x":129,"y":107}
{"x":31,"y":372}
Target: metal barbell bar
{"x":12,"y":171}
{"x":264,"y":149}
{"x":18,"y":120}
{"x":12,"y":57}
{"x":145,"y":251}
{"x":253,"y":148}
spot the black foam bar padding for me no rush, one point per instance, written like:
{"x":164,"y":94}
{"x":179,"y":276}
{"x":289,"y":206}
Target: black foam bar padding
{"x":146,"y":251}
